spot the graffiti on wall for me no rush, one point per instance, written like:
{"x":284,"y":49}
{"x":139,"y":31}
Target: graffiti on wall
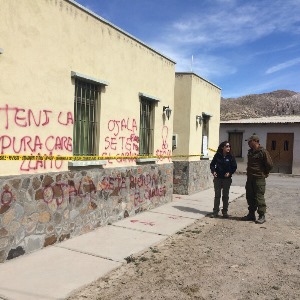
{"x":164,"y":150}
{"x":141,"y":187}
{"x":17,"y":119}
{"x":122,"y":139}
{"x":6,"y":197}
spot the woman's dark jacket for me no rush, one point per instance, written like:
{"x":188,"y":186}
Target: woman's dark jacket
{"x":223,"y":164}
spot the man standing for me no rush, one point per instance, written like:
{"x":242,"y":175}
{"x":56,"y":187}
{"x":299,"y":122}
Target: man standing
{"x":258,"y":168}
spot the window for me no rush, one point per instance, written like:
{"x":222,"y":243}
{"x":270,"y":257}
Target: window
{"x":86,"y":118}
{"x":236,"y":140}
{"x":205,"y":135}
{"x":146,"y":126}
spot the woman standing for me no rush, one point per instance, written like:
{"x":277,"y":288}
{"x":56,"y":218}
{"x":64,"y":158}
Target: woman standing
{"x":222,"y":166}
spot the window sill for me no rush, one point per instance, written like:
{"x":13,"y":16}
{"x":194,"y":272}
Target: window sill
{"x":204,"y":157}
{"x":146,"y":160}
{"x":85,"y":163}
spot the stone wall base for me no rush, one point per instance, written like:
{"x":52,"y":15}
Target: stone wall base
{"x":44,"y":209}
{"x":191,"y":176}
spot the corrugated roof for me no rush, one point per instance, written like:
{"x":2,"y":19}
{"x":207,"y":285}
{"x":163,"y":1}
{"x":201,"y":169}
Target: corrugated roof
{"x":273,"y":119}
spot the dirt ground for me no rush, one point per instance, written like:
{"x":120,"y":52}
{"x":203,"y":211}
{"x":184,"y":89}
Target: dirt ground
{"x":219,"y":258}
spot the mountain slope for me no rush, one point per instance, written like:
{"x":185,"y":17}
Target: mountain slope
{"x":277,"y":103}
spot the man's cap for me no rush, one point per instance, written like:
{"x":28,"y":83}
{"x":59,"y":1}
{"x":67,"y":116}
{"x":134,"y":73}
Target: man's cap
{"x":254,"y":137}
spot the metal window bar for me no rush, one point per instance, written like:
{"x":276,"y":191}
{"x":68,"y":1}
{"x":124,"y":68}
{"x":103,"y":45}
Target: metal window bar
{"x":86,"y":124}
{"x":146,"y":127}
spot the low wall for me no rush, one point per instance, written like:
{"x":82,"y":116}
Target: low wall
{"x":191,"y":176}
{"x":43,"y":209}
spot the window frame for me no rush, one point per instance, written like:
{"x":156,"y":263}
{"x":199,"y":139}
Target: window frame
{"x":89,"y":89}
{"x":233,"y":144}
{"x":146,"y":130}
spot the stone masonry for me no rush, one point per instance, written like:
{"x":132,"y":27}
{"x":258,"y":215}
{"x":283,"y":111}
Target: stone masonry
{"x":191,"y":176}
{"x":43,"y":209}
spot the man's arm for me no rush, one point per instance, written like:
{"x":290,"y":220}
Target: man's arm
{"x":268,"y":162}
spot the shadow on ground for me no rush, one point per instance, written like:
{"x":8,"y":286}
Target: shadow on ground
{"x":192,"y":210}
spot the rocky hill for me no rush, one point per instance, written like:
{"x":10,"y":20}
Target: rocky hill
{"x":277,"y":103}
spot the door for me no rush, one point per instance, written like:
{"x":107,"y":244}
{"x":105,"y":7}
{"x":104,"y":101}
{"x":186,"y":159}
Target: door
{"x":280,"y":147}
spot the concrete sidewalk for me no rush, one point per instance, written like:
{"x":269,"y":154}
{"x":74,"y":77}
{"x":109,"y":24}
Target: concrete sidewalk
{"x":55,"y":272}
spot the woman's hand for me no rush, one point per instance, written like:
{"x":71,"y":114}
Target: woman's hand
{"x":227,"y":174}
{"x":215,"y":174}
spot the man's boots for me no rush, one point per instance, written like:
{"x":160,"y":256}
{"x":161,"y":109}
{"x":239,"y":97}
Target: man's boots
{"x":249,"y":217}
{"x":261,"y":219}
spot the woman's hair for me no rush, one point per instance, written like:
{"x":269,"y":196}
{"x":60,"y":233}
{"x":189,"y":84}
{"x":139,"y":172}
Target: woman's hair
{"x":221,"y":146}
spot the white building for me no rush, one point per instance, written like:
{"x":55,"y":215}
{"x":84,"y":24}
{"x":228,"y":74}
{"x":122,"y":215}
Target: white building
{"x":280,"y":135}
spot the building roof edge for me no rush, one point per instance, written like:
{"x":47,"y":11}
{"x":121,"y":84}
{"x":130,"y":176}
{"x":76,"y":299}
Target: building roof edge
{"x":192,"y":73}
{"x":90,"y":12}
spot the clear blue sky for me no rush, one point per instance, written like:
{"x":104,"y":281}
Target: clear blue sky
{"x":242,"y":46}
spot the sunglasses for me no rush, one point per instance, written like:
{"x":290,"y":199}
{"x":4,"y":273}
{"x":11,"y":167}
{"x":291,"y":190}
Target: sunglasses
{"x":227,"y":146}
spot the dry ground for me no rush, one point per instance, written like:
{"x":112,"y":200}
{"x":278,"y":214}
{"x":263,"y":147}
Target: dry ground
{"x":218,"y":258}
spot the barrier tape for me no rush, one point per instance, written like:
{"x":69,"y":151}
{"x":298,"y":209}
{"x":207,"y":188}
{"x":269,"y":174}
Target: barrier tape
{"x":94,"y":157}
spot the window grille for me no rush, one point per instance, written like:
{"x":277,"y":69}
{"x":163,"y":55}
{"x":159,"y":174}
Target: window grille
{"x":146,"y":127}
{"x":86,"y":118}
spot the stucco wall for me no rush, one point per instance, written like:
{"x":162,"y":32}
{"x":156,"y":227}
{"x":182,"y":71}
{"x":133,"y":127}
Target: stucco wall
{"x":182,"y":113}
{"x":43,"y":42}
{"x":194,"y":96}
{"x":40,"y":210}
{"x":261,"y":130}
{"x":205,"y":98}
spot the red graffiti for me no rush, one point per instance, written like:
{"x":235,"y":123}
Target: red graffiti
{"x":68,"y":119}
{"x":24,"y":117}
{"x":111,"y":183}
{"x":129,"y":154}
{"x":155,"y":192}
{"x":115,"y":126}
{"x":58,"y":143}
{"x":28,"y":165}
{"x":6,"y":197}
{"x":85,"y":188}
{"x":143,"y":222}
{"x":123,"y":142}
{"x":142,"y":188}
{"x":143,"y":180}
{"x":123,"y":137}
{"x":34,"y":144}
{"x":137,"y":198}
{"x":164,"y":152}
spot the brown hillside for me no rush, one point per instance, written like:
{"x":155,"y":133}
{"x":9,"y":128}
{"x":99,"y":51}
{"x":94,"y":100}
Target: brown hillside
{"x":277,"y":103}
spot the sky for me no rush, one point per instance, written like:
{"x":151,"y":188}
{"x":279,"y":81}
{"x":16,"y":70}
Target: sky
{"x":243,"y":47}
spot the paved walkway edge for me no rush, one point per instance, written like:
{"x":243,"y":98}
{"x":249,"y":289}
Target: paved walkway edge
{"x":57,"y":271}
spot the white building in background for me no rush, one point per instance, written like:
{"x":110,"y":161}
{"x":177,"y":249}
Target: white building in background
{"x":280,"y":135}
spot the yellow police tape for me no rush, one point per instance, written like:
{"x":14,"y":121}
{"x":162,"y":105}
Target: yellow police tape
{"x":94,"y":157}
